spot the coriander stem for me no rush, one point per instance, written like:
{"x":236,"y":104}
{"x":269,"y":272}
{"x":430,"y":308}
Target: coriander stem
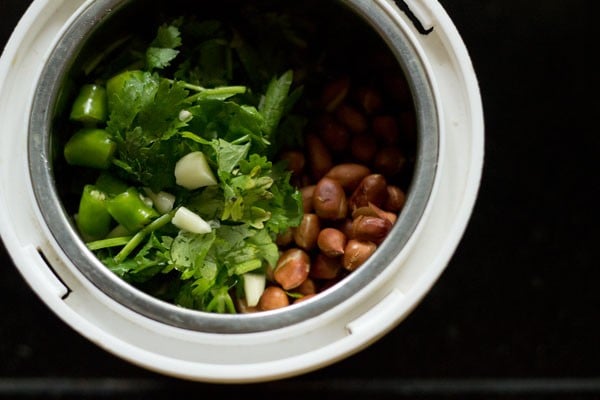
{"x":220,"y":92}
{"x":136,"y":240}
{"x":106,"y":243}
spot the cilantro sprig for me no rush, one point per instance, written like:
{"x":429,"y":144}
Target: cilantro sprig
{"x":185,"y":99}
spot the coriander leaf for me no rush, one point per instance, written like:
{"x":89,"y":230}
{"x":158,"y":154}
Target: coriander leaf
{"x":228,"y":121}
{"x":160,"y":118}
{"x":141,"y":99}
{"x":144,"y":116}
{"x":188,"y":252}
{"x":286,"y":204}
{"x":273,"y":104}
{"x":162,"y":50}
{"x":267,"y":249}
{"x":157,"y":58}
{"x":208,"y":203}
{"x":128,"y":93}
{"x":255,"y":162}
{"x":151,"y":164}
{"x":152,"y":259}
{"x":221,"y":301}
{"x":239,"y":251}
{"x":243,"y":190}
{"x":229,"y":155}
{"x":168,"y":36}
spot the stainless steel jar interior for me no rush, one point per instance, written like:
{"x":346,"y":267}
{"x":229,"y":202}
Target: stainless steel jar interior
{"x":49,"y":98}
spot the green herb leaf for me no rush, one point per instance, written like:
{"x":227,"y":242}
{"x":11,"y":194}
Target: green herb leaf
{"x":162,"y":50}
{"x":273,"y":104}
{"x":238,"y":130}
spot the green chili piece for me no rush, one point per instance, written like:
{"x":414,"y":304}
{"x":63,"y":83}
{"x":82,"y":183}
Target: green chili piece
{"x":93,"y":219}
{"x":129,"y":210}
{"x":90,"y":147}
{"x":116,"y":84}
{"x":90,"y":106}
{"x":110,"y":185}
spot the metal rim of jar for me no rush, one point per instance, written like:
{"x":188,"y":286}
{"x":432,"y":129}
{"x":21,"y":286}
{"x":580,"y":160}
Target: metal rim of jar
{"x":58,"y":222}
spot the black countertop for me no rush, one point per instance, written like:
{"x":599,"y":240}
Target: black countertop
{"x":515,"y":315}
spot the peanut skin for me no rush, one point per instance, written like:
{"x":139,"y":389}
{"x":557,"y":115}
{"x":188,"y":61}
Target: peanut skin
{"x":356,"y":253}
{"x":395,"y":200}
{"x":307,"y":287}
{"x":331,"y":242}
{"x":324,"y":267}
{"x":352,"y":118}
{"x":285,"y":238}
{"x":389,"y":161}
{"x":273,"y":298}
{"x":385,"y":127}
{"x":335,"y":93}
{"x":319,"y":157}
{"x":334,"y":135}
{"x":349,"y":175}
{"x":306,"y":234}
{"x":372,"y":189}
{"x":329,"y":200}
{"x":369,"y":99}
{"x":363,"y":147}
{"x":307,"y":193}
{"x":372,"y":229}
{"x":292,"y":268}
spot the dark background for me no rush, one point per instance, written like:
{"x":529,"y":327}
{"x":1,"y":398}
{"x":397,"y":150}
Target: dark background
{"x":515,"y":315}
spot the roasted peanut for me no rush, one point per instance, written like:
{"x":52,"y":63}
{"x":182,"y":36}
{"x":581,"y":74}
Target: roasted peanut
{"x":389,"y":161}
{"x":329,"y":200}
{"x":331,"y":242}
{"x":334,"y":135}
{"x":285,"y":238}
{"x":372,"y":189}
{"x":368,"y":211}
{"x":372,"y":229}
{"x":292,"y":268}
{"x":307,"y":287}
{"x":319,"y":157}
{"x":381,"y":213}
{"x":356,"y":253}
{"x":363,"y":147}
{"x":373,"y":211}
{"x":351,"y":118}
{"x":348,"y":175}
{"x":369,"y":99}
{"x":385,"y":127}
{"x":350,"y":155}
{"x":395,"y":200}
{"x":345,"y":226}
{"x":324,"y":267}
{"x":273,"y":298}
{"x":334,"y":93}
{"x":305,"y":234}
{"x":295,"y":161}
{"x":307,"y":193}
